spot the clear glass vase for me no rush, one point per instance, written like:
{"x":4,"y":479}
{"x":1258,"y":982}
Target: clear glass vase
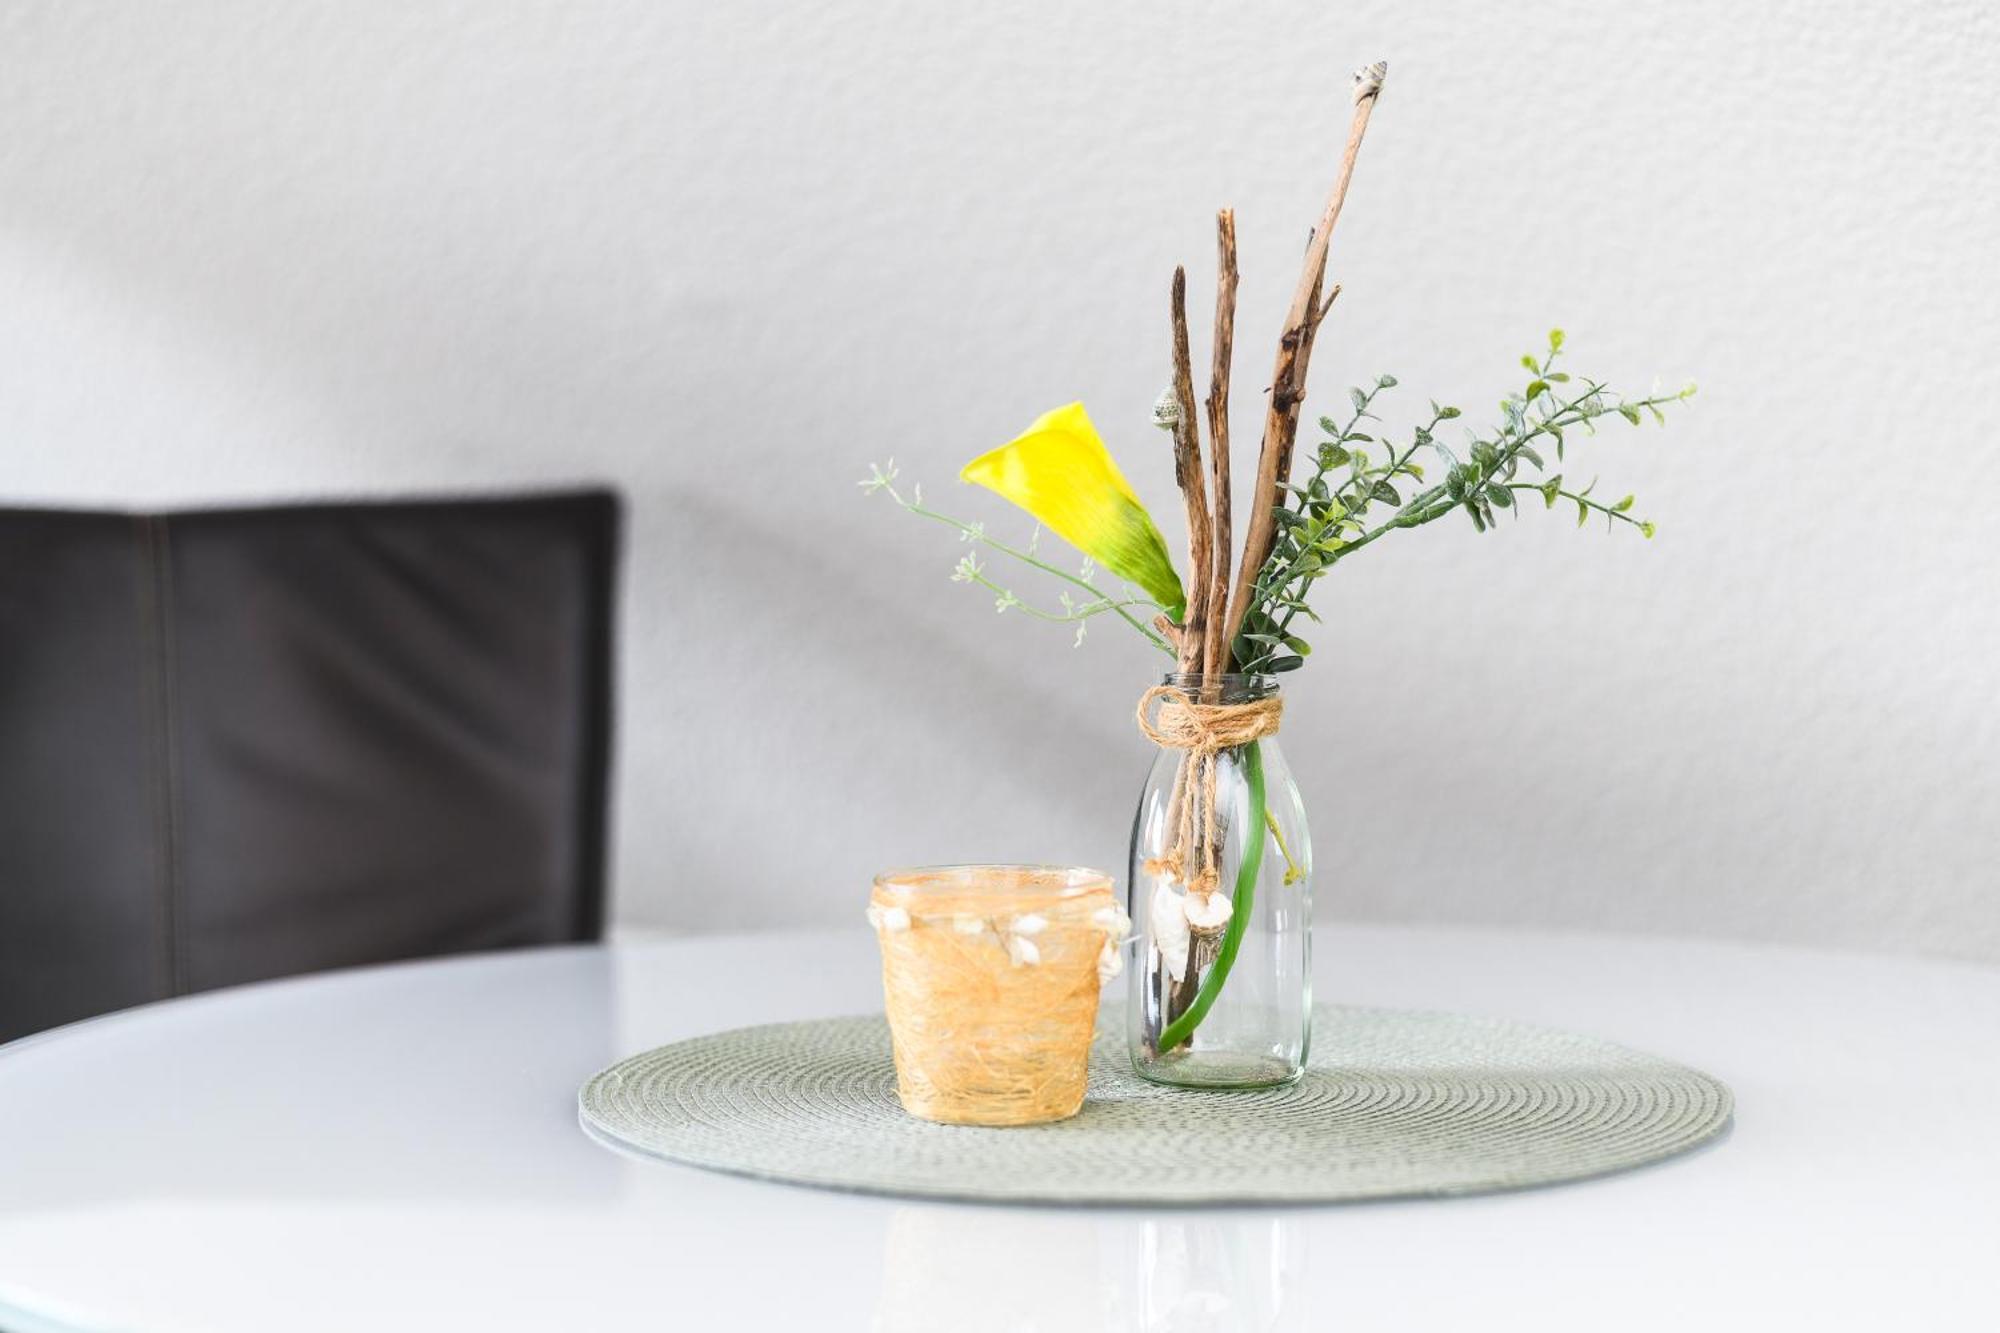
{"x":1221,"y":992}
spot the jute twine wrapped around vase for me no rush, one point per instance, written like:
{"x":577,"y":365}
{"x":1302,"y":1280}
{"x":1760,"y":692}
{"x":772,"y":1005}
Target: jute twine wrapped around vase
{"x":990,"y":976}
{"x":1174,"y":721}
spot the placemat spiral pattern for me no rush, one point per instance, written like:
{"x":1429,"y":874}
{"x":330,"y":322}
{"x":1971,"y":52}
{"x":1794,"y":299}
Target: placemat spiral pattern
{"x":1394,"y":1103}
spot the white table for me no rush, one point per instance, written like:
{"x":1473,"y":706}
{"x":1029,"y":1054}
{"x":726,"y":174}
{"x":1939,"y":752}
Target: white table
{"x":396,"y":1148}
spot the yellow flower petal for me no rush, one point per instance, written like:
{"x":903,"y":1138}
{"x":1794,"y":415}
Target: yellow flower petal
{"x":1059,"y":471}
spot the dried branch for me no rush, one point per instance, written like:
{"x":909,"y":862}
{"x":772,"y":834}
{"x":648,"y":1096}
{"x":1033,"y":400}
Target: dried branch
{"x":1187,"y":473}
{"x":1215,"y":650}
{"x":1331,"y":297}
{"x":1288,"y":380}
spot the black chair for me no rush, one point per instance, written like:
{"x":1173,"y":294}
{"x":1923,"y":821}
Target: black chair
{"x":246,"y":743}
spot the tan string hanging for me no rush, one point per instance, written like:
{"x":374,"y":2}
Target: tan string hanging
{"x":1173,"y":721}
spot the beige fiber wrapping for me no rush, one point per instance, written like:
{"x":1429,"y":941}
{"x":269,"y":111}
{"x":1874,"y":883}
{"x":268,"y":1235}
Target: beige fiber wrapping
{"x":990,"y":976}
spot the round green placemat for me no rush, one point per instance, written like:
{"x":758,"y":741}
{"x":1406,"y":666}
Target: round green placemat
{"x":1394,"y":1103}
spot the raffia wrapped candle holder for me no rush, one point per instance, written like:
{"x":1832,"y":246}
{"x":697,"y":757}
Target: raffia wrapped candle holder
{"x":990,"y":975}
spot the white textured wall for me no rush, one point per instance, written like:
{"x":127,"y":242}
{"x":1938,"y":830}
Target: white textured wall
{"x":725,"y":254}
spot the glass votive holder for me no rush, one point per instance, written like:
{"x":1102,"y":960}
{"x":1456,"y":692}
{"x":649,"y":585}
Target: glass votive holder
{"x":990,"y":975}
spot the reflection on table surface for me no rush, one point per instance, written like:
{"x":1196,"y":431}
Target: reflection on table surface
{"x":993,"y":1270}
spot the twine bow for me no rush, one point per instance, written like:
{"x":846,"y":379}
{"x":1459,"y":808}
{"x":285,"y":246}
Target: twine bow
{"x":1173,"y":721}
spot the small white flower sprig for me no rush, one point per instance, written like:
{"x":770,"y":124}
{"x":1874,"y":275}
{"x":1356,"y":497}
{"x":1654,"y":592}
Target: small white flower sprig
{"x":1016,"y":934}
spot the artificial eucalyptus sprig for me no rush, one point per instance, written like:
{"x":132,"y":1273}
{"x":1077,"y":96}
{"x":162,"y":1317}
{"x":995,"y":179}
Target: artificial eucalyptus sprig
{"x":1338,"y":512}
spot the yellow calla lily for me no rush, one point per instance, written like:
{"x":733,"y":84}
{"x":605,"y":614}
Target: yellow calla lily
{"x":1059,"y":470}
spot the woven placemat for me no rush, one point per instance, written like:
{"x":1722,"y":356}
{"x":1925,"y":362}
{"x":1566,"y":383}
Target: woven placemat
{"x":1395,"y":1103}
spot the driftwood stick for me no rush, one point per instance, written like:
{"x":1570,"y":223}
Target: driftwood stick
{"x":1215,"y":652}
{"x":1187,"y":472}
{"x":1326,"y":305}
{"x":1319,"y":310}
{"x":1288,"y":379}
{"x":1293,"y":391}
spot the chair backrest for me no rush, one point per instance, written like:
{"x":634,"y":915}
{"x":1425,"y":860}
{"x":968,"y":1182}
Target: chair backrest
{"x":245,"y":743}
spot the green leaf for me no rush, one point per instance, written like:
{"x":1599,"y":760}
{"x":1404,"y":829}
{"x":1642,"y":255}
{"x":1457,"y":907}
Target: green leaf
{"x":1528,"y":360}
{"x":1385,"y":381}
{"x":1525,"y":452}
{"x":1555,"y":340}
{"x":1550,"y":490}
{"x":1582,"y":513}
{"x":1292,"y":663}
{"x":1477,"y":522}
{"x":1500,"y":496}
{"x":1454,"y":484}
{"x":1332,"y":455}
{"x":1558,"y":377}
{"x":1658,"y":415}
{"x":1629,"y":412}
{"x":1298,"y":645}
{"x":1647,"y":530}
{"x":1447,"y":413}
{"x":1623,"y":505}
{"x":1329,"y":425}
{"x":1537,"y":389}
{"x":1385,"y":493}
{"x":1359,"y":399}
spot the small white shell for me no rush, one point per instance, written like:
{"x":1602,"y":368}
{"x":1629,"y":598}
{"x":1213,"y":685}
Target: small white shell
{"x":1110,"y":960}
{"x":1029,"y":923}
{"x":1209,"y":913}
{"x":888,"y":918}
{"x":1112,"y":921}
{"x":1023,"y":951}
{"x":1368,"y":79}
{"x":1169,"y":925}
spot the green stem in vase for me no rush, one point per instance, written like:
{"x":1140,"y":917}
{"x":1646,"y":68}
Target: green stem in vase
{"x":1294,"y":872}
{"x":1240,"y":902}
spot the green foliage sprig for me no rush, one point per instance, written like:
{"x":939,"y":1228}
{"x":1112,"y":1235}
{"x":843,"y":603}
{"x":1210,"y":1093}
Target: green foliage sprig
{"x":1339,"y":510}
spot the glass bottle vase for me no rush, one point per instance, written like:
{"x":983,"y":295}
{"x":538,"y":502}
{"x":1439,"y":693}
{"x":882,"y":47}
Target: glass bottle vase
{"x":1221,"y":990}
